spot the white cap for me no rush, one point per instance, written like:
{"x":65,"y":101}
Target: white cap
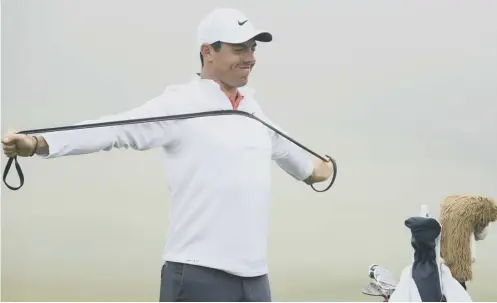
{"x":230,"y":26}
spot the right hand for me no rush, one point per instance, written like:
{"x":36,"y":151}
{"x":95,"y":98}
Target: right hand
{"x":18,"y":145}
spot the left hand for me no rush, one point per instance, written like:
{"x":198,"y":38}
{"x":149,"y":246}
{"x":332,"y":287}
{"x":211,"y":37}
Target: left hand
{"x":322,"y":171}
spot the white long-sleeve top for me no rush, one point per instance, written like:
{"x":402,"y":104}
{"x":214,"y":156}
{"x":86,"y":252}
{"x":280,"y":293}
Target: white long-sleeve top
{"x":217,"y":170}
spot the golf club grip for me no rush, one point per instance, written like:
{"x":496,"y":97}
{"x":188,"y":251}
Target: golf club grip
{"x":157,"y":119}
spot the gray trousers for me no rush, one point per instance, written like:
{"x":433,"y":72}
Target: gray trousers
{"x":185,"y":282}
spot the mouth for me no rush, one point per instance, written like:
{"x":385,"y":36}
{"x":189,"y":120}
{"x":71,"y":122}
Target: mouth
{"x":245,"y":70}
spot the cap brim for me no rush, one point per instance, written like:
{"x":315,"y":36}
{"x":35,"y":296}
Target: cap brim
{"x":263,"y":37}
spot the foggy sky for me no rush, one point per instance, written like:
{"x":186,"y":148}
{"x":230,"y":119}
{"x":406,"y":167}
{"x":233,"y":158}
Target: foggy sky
{"x":402,"y":93}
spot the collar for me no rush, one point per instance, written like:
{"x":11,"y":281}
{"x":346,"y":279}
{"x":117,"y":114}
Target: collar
{"x":245,"y":90}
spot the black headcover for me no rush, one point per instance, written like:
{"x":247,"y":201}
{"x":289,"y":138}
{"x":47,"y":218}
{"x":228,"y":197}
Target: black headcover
{"x":424,"y":231}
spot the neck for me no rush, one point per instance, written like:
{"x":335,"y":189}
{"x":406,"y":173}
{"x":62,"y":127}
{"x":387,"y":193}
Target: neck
{"x":227,"y":89}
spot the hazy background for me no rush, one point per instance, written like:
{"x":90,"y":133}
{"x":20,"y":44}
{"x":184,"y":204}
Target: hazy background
{"x":402,"y":93}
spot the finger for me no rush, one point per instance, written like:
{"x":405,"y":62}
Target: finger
{"x":8,"y":142}
{"x":9,"y":148}
{"x":10,"y":136}
{"x":10,"y":154}
{"x":11,"y":139}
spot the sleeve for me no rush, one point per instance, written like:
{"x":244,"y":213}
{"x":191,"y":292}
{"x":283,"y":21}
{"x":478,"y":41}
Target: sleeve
{"x":288,"y":156}
{"x":140,"y":136}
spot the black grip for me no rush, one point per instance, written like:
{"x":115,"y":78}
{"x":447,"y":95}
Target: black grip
{"x":19,"y":173}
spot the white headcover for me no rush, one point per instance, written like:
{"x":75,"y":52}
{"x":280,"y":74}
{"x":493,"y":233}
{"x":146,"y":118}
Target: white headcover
{"x":477,"y":237}
{"x":407,"y":291}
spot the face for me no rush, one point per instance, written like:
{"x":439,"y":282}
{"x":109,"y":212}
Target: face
{"x":232,"y":63}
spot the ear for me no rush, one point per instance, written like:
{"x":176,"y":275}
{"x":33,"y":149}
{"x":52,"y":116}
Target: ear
{"x":206,"y":51}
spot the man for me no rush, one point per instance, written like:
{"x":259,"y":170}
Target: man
{"x":217,"y":168}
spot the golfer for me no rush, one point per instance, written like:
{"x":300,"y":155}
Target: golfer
{"x":217,"y":168}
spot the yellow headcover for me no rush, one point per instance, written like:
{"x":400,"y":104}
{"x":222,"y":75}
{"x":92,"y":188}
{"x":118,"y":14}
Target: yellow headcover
{"x":463,"y":217}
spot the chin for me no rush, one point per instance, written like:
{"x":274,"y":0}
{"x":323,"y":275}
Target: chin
{"x":244,"y":80}
{"x":241,"y":83}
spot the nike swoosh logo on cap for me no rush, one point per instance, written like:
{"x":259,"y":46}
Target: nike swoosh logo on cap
{"x":242,"y":23}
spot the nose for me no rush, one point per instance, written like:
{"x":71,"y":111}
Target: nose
{"x":249,"y":57}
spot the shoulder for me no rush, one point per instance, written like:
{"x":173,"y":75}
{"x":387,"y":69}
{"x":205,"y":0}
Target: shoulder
{"x":175,"y":96}
{"x":177,"y":90}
